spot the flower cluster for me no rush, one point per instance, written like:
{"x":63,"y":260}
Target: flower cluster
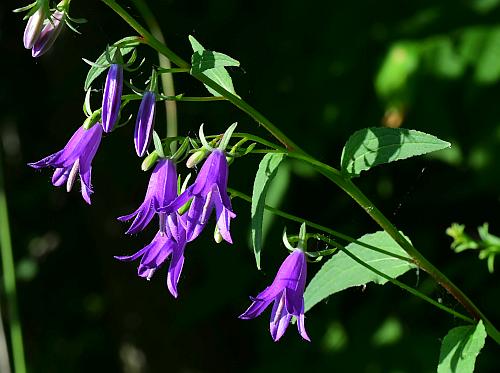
{"x":181,"y":213}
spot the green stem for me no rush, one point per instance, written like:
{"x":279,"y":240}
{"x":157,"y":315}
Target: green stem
{"x":330,"y":172}
{"x":167,"y":79}
{"x":9,"y":279}
{"x":237,"y":101}
{"x":311,"y":224}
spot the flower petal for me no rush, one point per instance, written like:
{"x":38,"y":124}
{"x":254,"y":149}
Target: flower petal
{"x":280,"y":318}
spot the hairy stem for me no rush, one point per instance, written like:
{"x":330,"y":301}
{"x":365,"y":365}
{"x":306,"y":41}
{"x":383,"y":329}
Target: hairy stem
{"x":9,"y":280}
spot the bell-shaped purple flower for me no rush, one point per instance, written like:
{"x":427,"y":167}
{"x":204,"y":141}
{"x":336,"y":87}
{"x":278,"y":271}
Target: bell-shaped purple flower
{"x":287,"y":292}
{"x":76,"y":157}
{"x":49,"y":34}
{"x":208,"y":191}
{"x":162,"y":189}
{"x":144,"y":123}
{"x":170,"y":243}
{"x":112,"y":97}
{"x":33,"y":28}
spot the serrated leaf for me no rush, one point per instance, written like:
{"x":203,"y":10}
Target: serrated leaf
{"x":211,"y":64}
{"x":267,"y":171}
{"x":96,"y":70}
{"x":371,"y":147}
{"x":341,"y":272}
{"x":460,"y":348}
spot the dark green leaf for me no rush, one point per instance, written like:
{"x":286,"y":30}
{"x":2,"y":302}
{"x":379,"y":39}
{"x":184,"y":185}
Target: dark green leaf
{"x":267,"y":170}
{"x":371,"y":147}
{"x":460,"y":348}
{"x":341,"y":271}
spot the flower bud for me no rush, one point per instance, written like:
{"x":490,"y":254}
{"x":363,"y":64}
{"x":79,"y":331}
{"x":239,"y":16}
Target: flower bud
{"x":149,"y":161}
{"x":49,"y":34}
{"x":112,"y":98}
{"x":217,"y":236}
{"x":196,"y":158}
{"x":144,"y":124}
{"x":33,"y":28}
{"x":93,"y":119}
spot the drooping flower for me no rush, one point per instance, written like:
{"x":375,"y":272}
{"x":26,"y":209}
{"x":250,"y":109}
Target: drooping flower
{"x":287,"y":292}
{"x":209,"y":191}
{"x":76,"y":157}
{"x":33,"y":28}
{"x":144,"y":123}
{"x":162,"y":189}
{"x":112,"y":98}
{"x":49,"y":34}
{"x":170,"y":243}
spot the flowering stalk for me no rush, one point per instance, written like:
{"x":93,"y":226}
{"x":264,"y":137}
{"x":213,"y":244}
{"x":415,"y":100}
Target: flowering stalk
{"x":330,"y":172}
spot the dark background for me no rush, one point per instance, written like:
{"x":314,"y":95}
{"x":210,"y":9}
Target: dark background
{"x":320,"y":70}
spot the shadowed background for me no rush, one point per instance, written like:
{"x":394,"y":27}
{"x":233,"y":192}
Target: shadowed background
{"x":320,"y":70}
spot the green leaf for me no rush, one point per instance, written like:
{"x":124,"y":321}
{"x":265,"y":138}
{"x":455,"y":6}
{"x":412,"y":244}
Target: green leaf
{"x":341,"y":272}
{"x":460,"y":348}
{"x":127,"y":45}
{"x":158,"y":145}
{"x":371,"y":147}
{"x":211,"y":64}
{"x":267,"y":170}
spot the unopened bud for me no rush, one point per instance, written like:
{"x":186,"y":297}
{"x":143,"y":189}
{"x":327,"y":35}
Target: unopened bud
{"x":149,"y":161}
{"x":93,"y":119}
{"x":217,"y":236}
{"x":49,"y":34}
{"x":196,"y":158}
{"x":33,"y":28}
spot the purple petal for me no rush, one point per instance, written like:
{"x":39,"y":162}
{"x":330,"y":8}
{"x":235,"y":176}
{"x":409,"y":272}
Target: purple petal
{"x":143,"y":216}
{"x":112,"y":97}
{"x":144,"y":123}
{"x":60,"y":176}
{"x":224,"y":217}
{"x":300,"y":325}
{"x":255,"y":309}
{"x":280,"y":318}
{"x":175,"y":269}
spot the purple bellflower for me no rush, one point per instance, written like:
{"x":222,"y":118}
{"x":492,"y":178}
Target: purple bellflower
{"x":287,"y":292}
{"x":169,"y":243}
{"x":112,"y":97}
{"x":49,"y":34}
{"x":208,"y":191}
{"x":33,"y":28}
{"x":76,"y":157}
{"x":144,"y":123}
{"x":162,"y":189}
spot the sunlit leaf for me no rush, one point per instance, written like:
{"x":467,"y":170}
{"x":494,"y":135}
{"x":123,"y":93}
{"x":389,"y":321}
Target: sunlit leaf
{"x":268,"y":168}
{"x":371,"y":147}
{"x":460,"y":348}
{"x":341,"y":271}
{"x":211,"y":64}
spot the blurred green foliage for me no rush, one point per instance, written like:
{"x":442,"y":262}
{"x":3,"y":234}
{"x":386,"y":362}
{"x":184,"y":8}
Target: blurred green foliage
{"x":321,"y":70}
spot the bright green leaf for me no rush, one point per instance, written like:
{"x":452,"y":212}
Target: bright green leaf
{"x":211,"y":64}
{"x":267,"y":170}
{"x":341,"y":272}
{"x":371,"y":147}
{"x":460,"y":348}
